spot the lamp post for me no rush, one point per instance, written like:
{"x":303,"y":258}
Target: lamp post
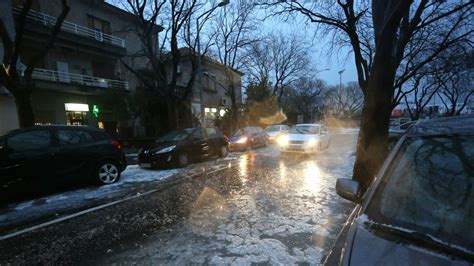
{"x":199,"y":67}
{"x":340,"y":78}
{"x":322,"y":70}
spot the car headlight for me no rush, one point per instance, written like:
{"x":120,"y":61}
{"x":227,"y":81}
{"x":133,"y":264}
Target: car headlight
{"x":283,"y":140}
{"x":242,"y":140}
{"x":312,"y":142}
{"x":167,"y":149}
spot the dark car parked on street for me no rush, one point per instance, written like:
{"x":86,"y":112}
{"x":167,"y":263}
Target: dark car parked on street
{"x":420,"y":208}
{"x":181,"y":147}
{"x":58,"y":154}
{"x":396,"y":133}
{"x":247,"y":138}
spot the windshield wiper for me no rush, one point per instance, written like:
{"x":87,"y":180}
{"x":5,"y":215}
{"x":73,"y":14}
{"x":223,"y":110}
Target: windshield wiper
{"x":423,"y":240}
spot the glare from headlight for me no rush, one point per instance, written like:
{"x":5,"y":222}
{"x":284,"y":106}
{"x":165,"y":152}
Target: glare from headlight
{"x":283,"y":140}
{"x":242,"y":140}
{"x":167,"y":149}
{"x":312,"y":142}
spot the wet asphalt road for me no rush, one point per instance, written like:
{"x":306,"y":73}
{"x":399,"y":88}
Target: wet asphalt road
{"x":253,"y":207}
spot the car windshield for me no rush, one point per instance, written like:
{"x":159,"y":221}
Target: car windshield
{"x":240,"y":132}
{"x":272,"y":129}
{"x":430,"y":189}
{"x":304,"y":130}
{"x":176,"y":135}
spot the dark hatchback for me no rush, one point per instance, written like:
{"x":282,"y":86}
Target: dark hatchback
{"x":247,"y":138}
{"x":55,"y":155}
{"x":420,"y":209}
{"x":179,"y":148}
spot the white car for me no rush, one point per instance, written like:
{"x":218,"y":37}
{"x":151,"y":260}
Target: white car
{"x":305,"y":138}
{"x":274,"y":131}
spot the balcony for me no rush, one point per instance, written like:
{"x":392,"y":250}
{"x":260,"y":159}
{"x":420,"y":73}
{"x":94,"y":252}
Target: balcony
{"x":69,"y":27}
{"x":77,"y":79}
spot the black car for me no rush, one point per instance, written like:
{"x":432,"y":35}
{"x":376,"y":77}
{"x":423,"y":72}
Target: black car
{"x":420,"y":208}
{"x":56,"y":154}
{"x":247,"y":138}
{"x":396,"y":133}
{"x":180,"y":147}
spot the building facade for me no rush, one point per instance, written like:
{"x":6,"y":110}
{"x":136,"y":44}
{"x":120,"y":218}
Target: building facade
{"x":76,"y":79}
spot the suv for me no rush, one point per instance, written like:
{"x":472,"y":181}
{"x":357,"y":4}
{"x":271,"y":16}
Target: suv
{"x":179,"y":147}
{"x":55,"y":154}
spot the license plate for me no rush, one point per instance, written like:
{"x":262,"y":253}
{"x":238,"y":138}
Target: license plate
{"x":145,"y":165}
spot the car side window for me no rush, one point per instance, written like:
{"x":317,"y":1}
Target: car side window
{"x":72,"y":137}
{"x":31,"y":140}
{"x":3,"y":143}
{"x":211,"y":132}
{"x":405,"y":126}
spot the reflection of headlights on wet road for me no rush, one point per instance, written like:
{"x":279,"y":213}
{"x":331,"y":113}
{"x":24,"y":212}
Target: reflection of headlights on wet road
{"x":312,"y":142}
{"x":242,"y":140}
{"x":283,"y":140}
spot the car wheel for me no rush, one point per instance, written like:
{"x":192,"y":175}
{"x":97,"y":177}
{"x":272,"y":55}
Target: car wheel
{"x":183,"y":160}
{"x":223,"y":151}
{"x":108,"y":173}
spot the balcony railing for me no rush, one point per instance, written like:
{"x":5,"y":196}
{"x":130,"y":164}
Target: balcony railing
{"x":49,"y":21}
{"x":66,"y":77}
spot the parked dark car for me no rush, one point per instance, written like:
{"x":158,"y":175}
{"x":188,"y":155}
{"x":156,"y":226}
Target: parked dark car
{"x":181,"y":147}
{"x":420,"y":209}
{"x":247,"y":138}
{"x":58,"y":154}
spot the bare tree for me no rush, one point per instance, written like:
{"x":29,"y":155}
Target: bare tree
{"x":280,"y":59}
{"x":232,"y":29}
{"x":380,"y":33}
{"x":18,"y":82}
{"x":346,"y":100}
{"x":163,"y":64}
{"x":422,"y":90}
{"x":305,"y":97}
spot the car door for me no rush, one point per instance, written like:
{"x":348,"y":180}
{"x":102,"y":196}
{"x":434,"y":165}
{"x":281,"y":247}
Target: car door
{"x":214,"y":138}
{"x":74,"y":151}
{"x":199,"y":146}
{"x":27,"y":157}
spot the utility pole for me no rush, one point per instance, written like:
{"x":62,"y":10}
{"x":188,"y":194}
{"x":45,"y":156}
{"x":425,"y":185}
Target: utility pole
{"x":199,"y":66}
{"x":340,"y":78}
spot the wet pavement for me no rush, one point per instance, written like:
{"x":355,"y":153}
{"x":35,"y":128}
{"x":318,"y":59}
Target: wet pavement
{"x":253,"y":207}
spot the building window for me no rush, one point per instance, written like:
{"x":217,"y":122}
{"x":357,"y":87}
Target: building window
{"x":99,"y":26}
{"x":210,"y":83}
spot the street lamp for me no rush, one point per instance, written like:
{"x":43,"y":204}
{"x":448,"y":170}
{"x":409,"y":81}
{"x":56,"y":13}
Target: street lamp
{"x":199,"y":67}
{"x":326,"y":69}
{"x":340,"y":78}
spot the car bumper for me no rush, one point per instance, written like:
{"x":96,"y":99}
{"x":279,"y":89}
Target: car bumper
{"x":299,"y":149}
{"x":150,"y":161}
{"x":238,"y":146}
{"x":272,"y":139}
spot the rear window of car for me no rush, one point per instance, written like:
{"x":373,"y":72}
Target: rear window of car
{"x":31,"y":140}
{"x":73,"y":137}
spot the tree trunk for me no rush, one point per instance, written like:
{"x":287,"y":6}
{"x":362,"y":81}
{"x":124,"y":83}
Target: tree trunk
{"x":172,"y":113}
{"x":24,"y":109}
{"x":372,"y":146}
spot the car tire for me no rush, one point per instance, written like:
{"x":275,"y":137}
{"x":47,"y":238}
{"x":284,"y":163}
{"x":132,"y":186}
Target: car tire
{"x":223,"y":151}
{"x":107,"y":172}
{"x":183,"y":160}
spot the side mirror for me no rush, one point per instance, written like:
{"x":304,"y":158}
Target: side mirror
{"x":348,"y":189}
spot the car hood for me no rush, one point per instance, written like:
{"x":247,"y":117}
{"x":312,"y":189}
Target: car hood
{"x":302,"y":137}
{"x":160,"y":145}
{"x":373,"y":248}
{"x":273,"y":134}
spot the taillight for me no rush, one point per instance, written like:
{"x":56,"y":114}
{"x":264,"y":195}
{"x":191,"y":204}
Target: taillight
{"x":116,"y":144}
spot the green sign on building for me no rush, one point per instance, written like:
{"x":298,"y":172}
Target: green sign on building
{"x":95,"y":110}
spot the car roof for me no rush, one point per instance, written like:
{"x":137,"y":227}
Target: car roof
{"x":457,"y":125}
